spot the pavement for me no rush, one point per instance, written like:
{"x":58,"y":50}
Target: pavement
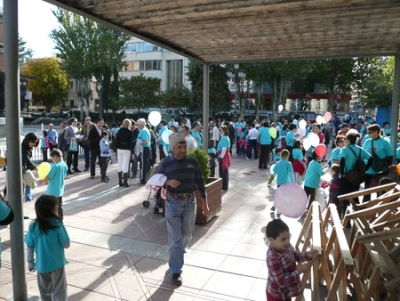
{"x":119,"y":248}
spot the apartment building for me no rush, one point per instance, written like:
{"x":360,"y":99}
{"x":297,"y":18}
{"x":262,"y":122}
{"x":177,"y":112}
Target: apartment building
{"x":153,"y":61}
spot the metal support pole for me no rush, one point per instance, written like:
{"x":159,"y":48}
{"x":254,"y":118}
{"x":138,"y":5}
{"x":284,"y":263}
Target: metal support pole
{"x":206,"y":99}
{"x":395,"y":104}
{"x":14,"y":170}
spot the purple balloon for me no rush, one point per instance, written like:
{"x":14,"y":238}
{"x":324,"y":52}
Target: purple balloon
{"x":291,"y":200}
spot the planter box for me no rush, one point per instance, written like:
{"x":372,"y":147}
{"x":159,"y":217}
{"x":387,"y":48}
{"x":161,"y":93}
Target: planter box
{"x":214,"y":197}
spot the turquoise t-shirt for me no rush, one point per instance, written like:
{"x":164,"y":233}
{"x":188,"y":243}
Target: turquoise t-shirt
{"x":290,"y":138}
{"x":265,"y":137}
{"x":350,"y":159}
{"x":313,"y":174}
{"x":284,"y":171}
{"x":161,"y":142}
{"x":57,"y":174}
{"x":297,"y":154}
{"x":239,"y":125}
{"x":387,"y":131}
{"x":276,"y":157}
{"x":199,"y":137}
{"x":224,"y":141}
{"x":48,"y":247}
{"x":144,"y":134}
{"x":335,"y":155}
{"x":381,"y":147}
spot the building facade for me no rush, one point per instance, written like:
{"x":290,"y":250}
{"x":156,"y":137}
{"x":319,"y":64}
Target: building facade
{"x":153,"y":61}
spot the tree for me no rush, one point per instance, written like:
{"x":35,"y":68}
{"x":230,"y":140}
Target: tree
{"x":89,"y":49}
{"x":24,"y":53}
{"x":377,"y":89}
{"x":139,"y":91}
{"x":50,"y":85}
{"x":279,"y":75}
{"x":339,"y":75}
{"x":73,"y":40}
{"x":219,"y":94}
{"x":106,"y":55}
{"x":175,"y":97}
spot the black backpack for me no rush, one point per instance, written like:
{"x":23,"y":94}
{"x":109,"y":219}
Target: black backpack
{"x":357,"y":175}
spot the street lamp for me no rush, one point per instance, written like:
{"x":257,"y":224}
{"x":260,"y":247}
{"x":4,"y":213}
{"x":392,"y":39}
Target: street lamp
{"x":237,"y":75}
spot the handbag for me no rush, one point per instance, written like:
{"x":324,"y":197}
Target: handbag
{"x":73,"y":147}
{"x":378,"y":165}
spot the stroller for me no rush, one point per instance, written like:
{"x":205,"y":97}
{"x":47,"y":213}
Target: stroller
{"x":155,"y":181}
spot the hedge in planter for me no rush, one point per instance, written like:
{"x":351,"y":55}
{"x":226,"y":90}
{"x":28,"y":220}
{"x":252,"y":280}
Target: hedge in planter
{"x":213,"y":188}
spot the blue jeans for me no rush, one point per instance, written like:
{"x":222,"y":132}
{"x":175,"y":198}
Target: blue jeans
{"x":86,"y":151}
{"x":28,"y":194}
{"x":180,"y":216}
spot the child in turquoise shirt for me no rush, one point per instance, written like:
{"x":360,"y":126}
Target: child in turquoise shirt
{"x":283,"y":170}
{"x":312,"y":178}
{"x":55,"y":180}
{"x":47,"y":238}
{"x":276,"y":157}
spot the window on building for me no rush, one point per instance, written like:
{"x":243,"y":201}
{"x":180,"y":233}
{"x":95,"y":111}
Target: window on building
{"x":143,"y":65}
{"x":174,"y":73}
{"x":132,"y":47}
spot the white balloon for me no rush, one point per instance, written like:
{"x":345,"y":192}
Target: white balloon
{"x":320,"y":119}
{"x":306,"y":144}
{"x":154,"y":118}
{"x":302,"y":124}
{"x":314,"y":139}
{"x":165,"y":136}
{"x":280,"y":108}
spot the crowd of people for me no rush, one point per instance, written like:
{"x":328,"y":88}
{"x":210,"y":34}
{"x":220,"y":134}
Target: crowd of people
{"x":358,"y":156}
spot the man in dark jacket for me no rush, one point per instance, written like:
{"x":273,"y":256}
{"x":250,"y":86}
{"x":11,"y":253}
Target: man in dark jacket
{"x":94,"y":145}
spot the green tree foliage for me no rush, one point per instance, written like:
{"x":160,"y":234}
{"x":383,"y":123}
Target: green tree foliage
{"x":279,"y":76}
{"x":87,"y":50}
{"x":377,"y":89}
{"x":24,"y":53}
{"x":339,"y":75}
{"x":175,"y":97}
{"x":140,"y":91}
{"x":219,"y":94}
{"x":50,"y":85}
{"x":107,"y":54}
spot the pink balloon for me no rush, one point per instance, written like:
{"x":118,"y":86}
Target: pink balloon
{"x":328,"y":116}
{"x":239,"y":129}
{"x":320,"y":150}
{"x":291,"y":200}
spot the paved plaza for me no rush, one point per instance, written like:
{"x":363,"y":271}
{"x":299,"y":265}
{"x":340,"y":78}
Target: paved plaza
{"x":119,"y":248}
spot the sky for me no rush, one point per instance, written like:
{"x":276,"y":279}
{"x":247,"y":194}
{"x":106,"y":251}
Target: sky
{"x":35,"y":22}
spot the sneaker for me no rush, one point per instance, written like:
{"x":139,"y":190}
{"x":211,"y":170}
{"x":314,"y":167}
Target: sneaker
{"x":70,"y":172}
{"x":247,"y":159}
{"x":104,"y":180}
{"x":77,"y":170}
{"x":86,"y":170}
{"x":273,"y":208}
{"x":268,"y":185}
{"x":177,"y":279}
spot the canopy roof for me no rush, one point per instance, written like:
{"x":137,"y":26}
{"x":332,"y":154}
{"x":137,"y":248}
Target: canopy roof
{"x":227,"y":31}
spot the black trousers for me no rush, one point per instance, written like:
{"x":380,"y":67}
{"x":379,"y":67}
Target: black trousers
{"x":311,"y":195}
{"x":103,"y":166}
{"x":145,"y":163}
{"x":224,"y":174}
{"x":69,"y":160}
{"x":252,"y":145}
{"x":161,"y":150}
{"x":264,"y":158}
{"x":94,"y":155}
